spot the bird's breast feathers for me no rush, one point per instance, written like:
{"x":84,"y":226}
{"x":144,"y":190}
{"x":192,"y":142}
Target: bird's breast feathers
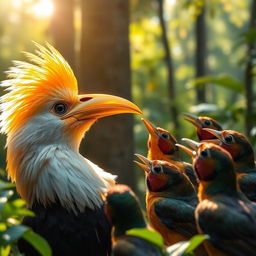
{"x":59,"y":173}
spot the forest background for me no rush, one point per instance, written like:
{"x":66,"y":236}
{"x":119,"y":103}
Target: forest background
{"x":169,"y":57}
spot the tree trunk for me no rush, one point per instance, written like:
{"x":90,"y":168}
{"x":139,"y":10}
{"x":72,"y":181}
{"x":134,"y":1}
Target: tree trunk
{"x":63,"y":30}
{"x":105,"y":68}
{"x":200,"y":54}
{"x":170,"y":69}
{"x":249,"y":74}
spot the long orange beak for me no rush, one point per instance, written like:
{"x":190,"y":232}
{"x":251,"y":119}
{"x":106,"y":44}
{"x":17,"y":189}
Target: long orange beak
{"x":189,"y":151}
{"x":95,"y":106}
{"x":191,"y":143}
{"x":146,"y":163}
{"x":216,"y":133}
{"x":152,"y":129}
{"x":193,"y":119}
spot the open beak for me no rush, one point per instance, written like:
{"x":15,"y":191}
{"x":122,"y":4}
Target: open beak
{"x":189,"y":151}
{"x":193,"y":119}
{"x":191,"y":143}
{"x":146,"y":165}
{"x":95,"y":106}
{"x":216,"y":133}
{"x":152,"y":129}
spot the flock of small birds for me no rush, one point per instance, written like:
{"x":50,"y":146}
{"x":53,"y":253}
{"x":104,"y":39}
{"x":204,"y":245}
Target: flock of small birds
{"x":215,"y":195}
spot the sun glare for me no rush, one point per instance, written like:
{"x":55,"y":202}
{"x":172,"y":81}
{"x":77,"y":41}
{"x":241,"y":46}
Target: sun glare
{"x":43,"y":8}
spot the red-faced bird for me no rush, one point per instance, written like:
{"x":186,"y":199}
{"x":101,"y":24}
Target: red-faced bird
{"x":162,"y":146}
{"x":223,"y":213}
{"x":45,"y":120}
{"x":170,"y":200}
{"x":130,"y":234}
{"x":203,"y":122}
{"x":243,"y":156}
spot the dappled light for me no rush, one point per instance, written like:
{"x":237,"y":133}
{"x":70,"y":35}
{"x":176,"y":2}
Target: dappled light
{"x":94,"y":91}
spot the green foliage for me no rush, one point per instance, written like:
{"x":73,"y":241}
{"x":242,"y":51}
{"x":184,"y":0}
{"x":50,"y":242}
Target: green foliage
{"x":12,"y":210}
{"x":223,"y":80}
{"x":186,"y":248}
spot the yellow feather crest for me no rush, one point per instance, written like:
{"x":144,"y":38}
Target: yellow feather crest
{"x":32,"y":84}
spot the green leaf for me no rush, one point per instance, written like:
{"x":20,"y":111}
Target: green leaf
{"x":204,"y":108}
{"x":186,"y":247}
{"x":5,"y":250}
{"x":12,"y":234}
{"x":39,"y":243}
{"x":150,"y":235}
{"x":5,"y":185}
{"x":4,"y":196}
{"x":194,"y":242}
{"x":225,"y":81}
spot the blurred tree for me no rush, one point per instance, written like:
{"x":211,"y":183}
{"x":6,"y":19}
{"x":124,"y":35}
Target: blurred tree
{"x":63,"y":30}
{"x":200,"y":54}
{"x":248,"y":79}
{"x":168,"y":59}
{"x":105,"y":68}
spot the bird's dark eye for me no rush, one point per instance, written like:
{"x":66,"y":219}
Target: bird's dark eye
{"x":157,"y":169}
{"x":229,"y":139}
{"x":60,"y":108}
{"x":204,"y":154}
{"x":207,"y":122}
{"x":165,"y":135}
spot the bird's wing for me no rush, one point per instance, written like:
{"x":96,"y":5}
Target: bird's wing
{"x":189,"y":171}
{"x":176,"y":215}
{"x":231,"y":225}
{"x":134,"y":246}
{"x":248,"y":184}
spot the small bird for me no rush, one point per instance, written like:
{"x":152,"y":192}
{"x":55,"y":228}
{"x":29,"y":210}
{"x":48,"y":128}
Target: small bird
{"x":243,"y":156}
{"x":45,"y":120}
{"x":170,"y":200}
{"x":162,"y":146}
{"x":203,"y":122}
{"x":223,"y":213}
{"x":130,"y":234}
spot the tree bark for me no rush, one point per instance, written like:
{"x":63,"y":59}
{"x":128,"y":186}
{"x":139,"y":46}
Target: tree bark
{"x":169,"y":66}
{"x":200,"y":54}
{"x":105,"y":68}
{"x":63,"y":30}
{"x":248,"y":78}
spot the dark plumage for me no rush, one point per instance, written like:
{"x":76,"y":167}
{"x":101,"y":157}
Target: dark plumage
{"x":243,"y":156}
{"x":171,"y":200}
{"x":223,"y":213}
{"x":65,"y":230}
{"x":123,"y":209}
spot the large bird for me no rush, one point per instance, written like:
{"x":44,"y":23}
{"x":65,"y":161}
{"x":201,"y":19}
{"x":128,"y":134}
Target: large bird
{"x":162,"y":146}
{"x":45,"y":120}
{"x":242,"y":153}
{"x":170,"y":200}
{"x":223,"y":213}
{"x":201,"y":122}
{"x":131,"y":236}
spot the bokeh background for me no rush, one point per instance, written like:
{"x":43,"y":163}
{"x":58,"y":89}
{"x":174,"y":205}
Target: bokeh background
{"x":168,"y":56}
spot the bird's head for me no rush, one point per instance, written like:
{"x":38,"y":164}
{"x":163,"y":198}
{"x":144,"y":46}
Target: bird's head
{"x":42,"y":105}
{"x":203,"y":122}
{"x":123,"y":209}
{"x":163,"y":176}
{"x":215,"y":169}
{"x":161,"y":143}
{"x":238,"y":146}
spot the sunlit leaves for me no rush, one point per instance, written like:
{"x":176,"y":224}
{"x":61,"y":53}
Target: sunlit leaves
{"x":12,"y":211}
